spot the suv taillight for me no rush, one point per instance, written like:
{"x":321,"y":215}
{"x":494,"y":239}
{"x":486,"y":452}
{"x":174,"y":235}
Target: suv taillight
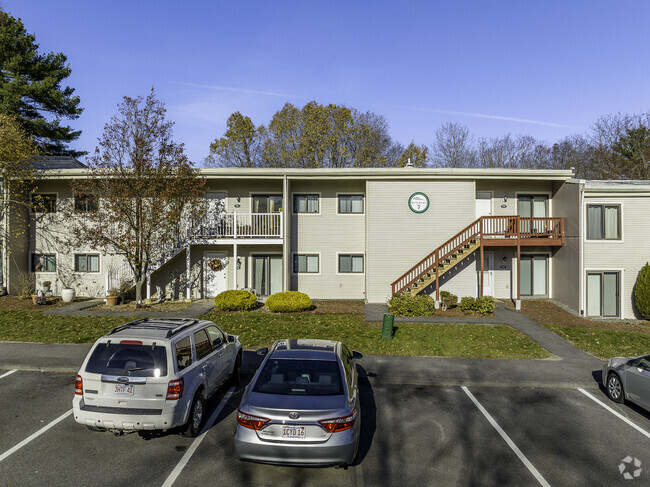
{"x":250,"y":421}
{"x":175,"y":389}
{"x":339,"y":424}
{"x":79,"y":386}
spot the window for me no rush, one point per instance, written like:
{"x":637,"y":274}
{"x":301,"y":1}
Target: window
{"x":350,"y":203}
{"x":85,"y":202}
{"x":43,"y":263}
{"x":350,"y":263}
{"x":202,"y":343}
{"x":267,"y":203}
{"x":602,"y":294}
{"x":604,"y":222}
{"x":305,"y":203}
{"x":86,"y":263}
{"x":307,"y":263}
{"x":183,"y":353}
{"x":44,"y":203}
{"x":216,"y":337}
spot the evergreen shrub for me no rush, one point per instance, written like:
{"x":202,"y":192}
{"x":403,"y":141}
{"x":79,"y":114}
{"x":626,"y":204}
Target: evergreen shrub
{"x":447,"y":300}
{"x":407,"y":305}
{"x":642,"y":292}
{"x":288,"y":302}
{"x":235,"y":300}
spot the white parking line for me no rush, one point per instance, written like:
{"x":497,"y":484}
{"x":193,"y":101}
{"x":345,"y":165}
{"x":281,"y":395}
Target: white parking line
{"x":616,"y":413}
{"x":195,"y":444}
{"x":6,"y":374}
{"x":35,"y":435}
{"x":510,"y":443}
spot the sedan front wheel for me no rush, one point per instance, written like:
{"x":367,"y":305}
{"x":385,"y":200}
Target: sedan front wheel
{"x":615,"y":388}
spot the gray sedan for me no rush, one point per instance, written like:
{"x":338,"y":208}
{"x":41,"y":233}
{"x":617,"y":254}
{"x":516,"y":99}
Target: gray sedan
{"x":301,"y":407}
{"x":628,"y":378}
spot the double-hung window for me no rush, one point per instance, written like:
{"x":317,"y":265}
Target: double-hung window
{"x":603,"y":222}
{"x":305,"y":203}
{"x":350,"y":263}
{"x":305,"y":263}
{"x":86,"y":263}
{"x":351,"y":203}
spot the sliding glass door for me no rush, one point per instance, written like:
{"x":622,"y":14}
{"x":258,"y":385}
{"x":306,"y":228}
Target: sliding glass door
{"x":602,"y":294}
{"x":534,"y":272}
{"x":267,"y":274}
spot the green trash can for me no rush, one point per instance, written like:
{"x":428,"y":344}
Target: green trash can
{"x":387,"y":327}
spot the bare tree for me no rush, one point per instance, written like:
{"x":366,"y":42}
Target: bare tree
{"x":453,"y":146}
{"x":516,"y":152}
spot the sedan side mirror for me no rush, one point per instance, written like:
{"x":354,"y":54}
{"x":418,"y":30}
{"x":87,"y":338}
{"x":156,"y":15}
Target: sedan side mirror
{"x":263,"y":351}
{"x":356,"y":355}
{"x":231,"y":339}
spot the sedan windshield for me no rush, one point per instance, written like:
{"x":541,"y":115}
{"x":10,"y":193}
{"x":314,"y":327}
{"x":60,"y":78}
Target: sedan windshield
{"x":300,"y":377}
{"x":131,"y":360}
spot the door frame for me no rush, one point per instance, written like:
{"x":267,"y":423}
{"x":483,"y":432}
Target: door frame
{"x":253,"y":256}
{"x":549,"y":274}
{"x":491,"y":193}
{"x":214,"y":254}
{"x":601,"y":270}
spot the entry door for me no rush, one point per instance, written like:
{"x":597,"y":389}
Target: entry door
{"x":267,"y":274}
{"x":483,"y":204}
{"x":215,"y":281}
{"x":488,"y":270}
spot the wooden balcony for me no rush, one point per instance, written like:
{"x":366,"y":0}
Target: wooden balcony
{"x":503,"y":231}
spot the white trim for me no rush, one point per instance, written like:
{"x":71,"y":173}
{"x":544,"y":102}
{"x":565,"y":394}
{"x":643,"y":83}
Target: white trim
{"x":600,"y":241}
{"x":320,"y":204}
{"x":621,"y":271}
{"x":74,"y":262}
{"x":478,"y":276}
{"x":351,"y":193}
{"x":320,"y":264}
{"x":338,"y":273}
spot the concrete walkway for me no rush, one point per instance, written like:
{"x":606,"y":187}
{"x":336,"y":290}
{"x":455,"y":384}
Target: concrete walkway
{"x":195,"y":310}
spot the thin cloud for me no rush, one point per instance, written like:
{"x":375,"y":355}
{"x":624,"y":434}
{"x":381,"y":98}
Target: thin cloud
{"x":238,"y":90}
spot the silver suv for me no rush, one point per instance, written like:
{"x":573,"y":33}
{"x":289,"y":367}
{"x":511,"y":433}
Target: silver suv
{"x":154,"y":374}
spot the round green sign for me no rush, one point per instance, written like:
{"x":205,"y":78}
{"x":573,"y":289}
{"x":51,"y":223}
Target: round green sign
{"x":418,"y":202}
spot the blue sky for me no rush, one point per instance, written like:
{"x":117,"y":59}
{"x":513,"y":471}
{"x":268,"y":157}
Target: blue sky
{"x":547,"y":69}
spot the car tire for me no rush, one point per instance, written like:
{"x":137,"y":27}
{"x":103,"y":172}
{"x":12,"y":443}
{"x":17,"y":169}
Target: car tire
{"x":614,"y":388}
{"x":235,"y":377}
{"x":192,"y":428}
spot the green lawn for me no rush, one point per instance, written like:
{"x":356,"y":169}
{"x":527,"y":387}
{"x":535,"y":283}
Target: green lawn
{"x":604,"y":343}
{"x":258,"y":330}
{"x":34,"y":326}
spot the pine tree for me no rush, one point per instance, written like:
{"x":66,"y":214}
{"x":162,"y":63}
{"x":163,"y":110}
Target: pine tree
{"x":30,"y":89}
{"x":642,"y":292}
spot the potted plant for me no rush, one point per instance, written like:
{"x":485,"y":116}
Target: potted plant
{"x":46,"y":286}
{"x":68,"y":278}
{"x":112,"y":297}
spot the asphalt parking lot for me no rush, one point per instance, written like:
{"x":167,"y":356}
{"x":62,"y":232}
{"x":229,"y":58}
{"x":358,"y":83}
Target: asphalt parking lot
{"x":414,"y":432}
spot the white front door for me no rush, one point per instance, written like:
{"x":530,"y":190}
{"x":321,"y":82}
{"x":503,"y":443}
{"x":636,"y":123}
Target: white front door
{"x":483,"y":203}
{"x":488,"y":270}
{"x":215,"y":280}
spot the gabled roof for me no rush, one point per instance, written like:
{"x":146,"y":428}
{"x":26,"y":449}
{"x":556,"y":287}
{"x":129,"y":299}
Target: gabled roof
{"x":47,"y":163}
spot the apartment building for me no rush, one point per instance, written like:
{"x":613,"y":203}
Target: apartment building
{"x":369,"y":233}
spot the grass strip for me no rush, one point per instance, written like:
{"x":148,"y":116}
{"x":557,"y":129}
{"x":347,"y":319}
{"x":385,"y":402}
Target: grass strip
{"x":604,"y":343}
{"x":258,"y":330}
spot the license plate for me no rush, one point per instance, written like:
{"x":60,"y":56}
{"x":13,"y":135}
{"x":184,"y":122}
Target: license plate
{"x":293,"y":432}
{"x":124,"y":389}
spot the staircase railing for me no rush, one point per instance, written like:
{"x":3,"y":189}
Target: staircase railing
{"x":483,"y":229}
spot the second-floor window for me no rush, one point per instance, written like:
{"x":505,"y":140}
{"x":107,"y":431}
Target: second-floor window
{"x":603,"y":222}
{"x":267,"y":203}
{"x":44,"y":203}
{"x":86,"y":263}
{"x":43,"y":263}
{"x":350,"y":203}
{"x":85,"y":202}
{"x":305,"y":203}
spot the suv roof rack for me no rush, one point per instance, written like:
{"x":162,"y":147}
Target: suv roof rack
{"x":172,"y":325}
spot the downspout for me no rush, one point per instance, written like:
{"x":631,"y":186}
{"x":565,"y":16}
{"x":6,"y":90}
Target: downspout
{"x":581,"y":285}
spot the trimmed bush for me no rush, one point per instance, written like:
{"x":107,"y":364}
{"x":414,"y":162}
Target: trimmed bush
{"x":483,"y":305}
{"x":288,"y":302}
{"x":642,"y":292}
{"x":235,"y":300}
{"x":468,"y":304}
{"x":447,"y":300}
{"x":407,"y":305}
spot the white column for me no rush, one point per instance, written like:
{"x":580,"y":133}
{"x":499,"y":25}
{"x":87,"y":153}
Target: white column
{"x":188,"y":270}
{"x":234,"y":266}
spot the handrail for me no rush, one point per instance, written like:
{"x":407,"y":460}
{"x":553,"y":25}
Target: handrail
{"x":514,"y":227}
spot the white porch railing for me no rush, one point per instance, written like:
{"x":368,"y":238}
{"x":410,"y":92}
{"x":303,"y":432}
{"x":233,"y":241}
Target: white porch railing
{"x":118,"y":275}
{"x":239,"y":225}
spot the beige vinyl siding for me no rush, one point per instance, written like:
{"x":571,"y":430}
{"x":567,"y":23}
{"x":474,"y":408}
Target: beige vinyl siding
{"x":510,"y":189}
{"x":327,"y":234}
{"x":398,"y":238}
{"x":628,"y":254}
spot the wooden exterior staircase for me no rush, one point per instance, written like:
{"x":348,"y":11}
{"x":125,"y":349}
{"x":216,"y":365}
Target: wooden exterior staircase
{"x":497,"y":231}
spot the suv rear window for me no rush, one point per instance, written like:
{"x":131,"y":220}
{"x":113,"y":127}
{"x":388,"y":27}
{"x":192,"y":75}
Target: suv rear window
{"x":131,"y":360}
{"x":300,"y":377}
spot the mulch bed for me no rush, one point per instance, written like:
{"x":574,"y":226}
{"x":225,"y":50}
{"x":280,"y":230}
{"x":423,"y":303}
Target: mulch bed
{"x":14,"y":302}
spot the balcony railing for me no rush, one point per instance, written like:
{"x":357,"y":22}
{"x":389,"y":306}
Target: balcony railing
{"x":238,"y":225}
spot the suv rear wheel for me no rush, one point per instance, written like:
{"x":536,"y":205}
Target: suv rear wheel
{"x":192,"y":428}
